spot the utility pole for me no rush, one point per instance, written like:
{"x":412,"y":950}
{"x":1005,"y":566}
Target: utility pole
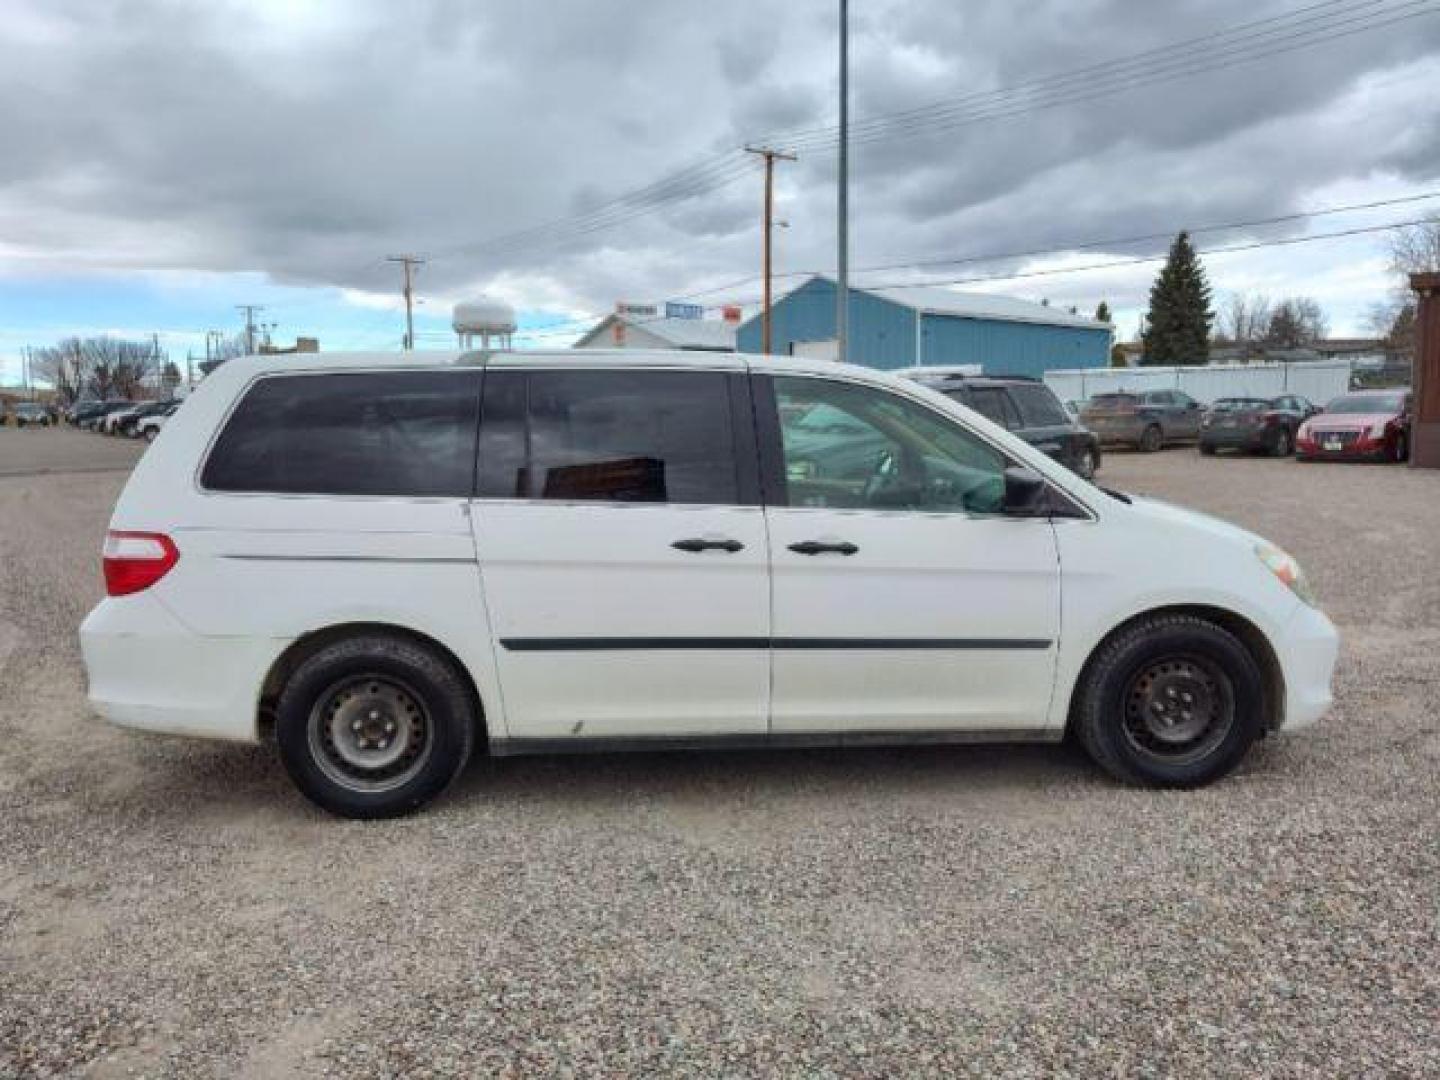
{"x":770,"y":157}
{"x":842,"y":279}
{"x":250,"y":310}
{"x":409,"y":262}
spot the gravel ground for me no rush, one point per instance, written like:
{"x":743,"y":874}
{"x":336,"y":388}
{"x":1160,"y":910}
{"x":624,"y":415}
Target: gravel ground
{"x":173,"y":908}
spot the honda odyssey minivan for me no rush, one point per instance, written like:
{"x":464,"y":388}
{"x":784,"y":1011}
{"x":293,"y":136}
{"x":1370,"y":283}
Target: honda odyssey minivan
{"x":387,"y":562}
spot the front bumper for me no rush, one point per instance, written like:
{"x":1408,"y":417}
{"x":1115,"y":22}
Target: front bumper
{"x":1307,"y":651}
{"x":148,"y":670}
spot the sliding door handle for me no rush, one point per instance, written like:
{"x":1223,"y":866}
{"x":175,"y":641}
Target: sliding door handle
{"x":709,"y":543}
{"x":821,"y":547}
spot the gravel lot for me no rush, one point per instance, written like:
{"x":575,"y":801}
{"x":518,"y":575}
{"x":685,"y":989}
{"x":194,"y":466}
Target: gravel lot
{"x":173,"y":908}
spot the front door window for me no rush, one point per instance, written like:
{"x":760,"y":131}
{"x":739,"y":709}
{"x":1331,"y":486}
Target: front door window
{"x":850,"y":447}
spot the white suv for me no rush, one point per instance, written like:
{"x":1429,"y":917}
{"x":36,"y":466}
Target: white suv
{"x":389,"y":560}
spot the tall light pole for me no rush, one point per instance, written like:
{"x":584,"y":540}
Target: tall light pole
{"x":842,"y":277}
{"x":769,"y":156}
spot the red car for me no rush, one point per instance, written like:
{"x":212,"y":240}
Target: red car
{"x":1370,"y":425}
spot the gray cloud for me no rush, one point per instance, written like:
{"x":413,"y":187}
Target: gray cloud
{"x":232,"y":137}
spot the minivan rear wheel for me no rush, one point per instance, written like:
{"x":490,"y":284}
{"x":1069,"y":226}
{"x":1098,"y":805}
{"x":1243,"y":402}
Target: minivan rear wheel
{"x":1170,"y":701}
{"x":374,"y":726}
{"x":1151,"y":439}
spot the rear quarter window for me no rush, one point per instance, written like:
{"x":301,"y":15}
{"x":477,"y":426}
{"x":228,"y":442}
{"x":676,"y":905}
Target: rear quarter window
{"x":369,"y":433}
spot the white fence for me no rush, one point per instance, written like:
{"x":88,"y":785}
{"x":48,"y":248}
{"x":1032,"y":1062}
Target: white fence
{"x":1318,"y":380}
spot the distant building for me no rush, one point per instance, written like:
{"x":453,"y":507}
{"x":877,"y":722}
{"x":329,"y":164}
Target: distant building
{"x":904,"y":327}
{"x":624,"y":331}
{"x":302,"y":345}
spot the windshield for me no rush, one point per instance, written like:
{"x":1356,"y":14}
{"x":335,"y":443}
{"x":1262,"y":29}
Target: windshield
{"x":1239,"y":404}
{"x":1368,"y":403}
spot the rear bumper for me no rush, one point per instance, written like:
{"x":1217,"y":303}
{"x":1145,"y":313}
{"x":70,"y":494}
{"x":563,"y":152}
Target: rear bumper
{"x":1234,"y":438}
{"x":1307,"y":652}
{"x":148,"y":671}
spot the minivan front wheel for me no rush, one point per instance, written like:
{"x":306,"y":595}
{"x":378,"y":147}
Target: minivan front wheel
{"x":1170,"y":701}
{"x":374,"y":726}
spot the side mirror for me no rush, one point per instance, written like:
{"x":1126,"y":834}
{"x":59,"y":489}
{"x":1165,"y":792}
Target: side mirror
{"x":1024,"y":491}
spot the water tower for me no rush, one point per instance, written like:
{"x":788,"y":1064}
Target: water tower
{"x":484,"y":323}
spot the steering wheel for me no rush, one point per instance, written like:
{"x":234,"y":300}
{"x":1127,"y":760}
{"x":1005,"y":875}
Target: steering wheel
{"x":892,"y":481}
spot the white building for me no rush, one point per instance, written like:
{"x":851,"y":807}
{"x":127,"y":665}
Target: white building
{"x":619,"y":331}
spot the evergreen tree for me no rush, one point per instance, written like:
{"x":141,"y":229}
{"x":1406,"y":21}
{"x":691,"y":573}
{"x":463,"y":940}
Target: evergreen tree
{"x":1102,"y":313}
{"x":1177,"y":330}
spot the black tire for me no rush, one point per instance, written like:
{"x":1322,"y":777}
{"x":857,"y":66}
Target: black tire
{"x":1280,"y":444}
{"x":1208,"y":449}
{"x":1402,"y":447}
{"x":1152,"y":439}
{"x":1152,"y":664}
{"x":389,"y":690}
{"x":1086,"y":462}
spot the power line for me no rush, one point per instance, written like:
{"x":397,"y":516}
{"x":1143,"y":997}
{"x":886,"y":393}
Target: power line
{"x":1142,"y":69}
{"x":1247,"y":42}
{"x":1083,"y":245}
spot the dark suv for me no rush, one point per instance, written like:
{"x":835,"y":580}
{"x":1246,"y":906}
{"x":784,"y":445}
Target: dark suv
{"x":1029,"y":409}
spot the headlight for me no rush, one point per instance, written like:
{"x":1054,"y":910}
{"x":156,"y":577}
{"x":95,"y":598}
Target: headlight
{"x":1284,"y":567}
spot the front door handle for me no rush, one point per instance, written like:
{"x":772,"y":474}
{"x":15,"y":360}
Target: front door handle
{"x":709,"y":543}
{"x":821,"y":547}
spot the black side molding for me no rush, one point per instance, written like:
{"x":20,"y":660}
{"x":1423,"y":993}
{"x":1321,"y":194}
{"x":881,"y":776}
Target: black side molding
{"x":640,"y":644}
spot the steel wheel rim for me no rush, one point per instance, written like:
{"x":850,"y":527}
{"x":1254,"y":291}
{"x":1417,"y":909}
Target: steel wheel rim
{"x":370,"y":733}
{"x":1087,"y":463}
{"x":1179,"y":709}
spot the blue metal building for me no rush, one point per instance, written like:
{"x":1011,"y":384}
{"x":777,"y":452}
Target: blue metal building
{"x":905,"y":327}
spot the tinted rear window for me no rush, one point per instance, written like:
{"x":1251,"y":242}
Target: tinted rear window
{"x":609,"y":436}
{"x":993,"y":403}
{"x":1039,"y":407}
{"x":1368,"y":403}
{"x":1112,"y":401}
{"x":384,"y":433}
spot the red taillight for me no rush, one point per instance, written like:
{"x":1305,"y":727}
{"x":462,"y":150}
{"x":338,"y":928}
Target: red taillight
{"x":136,"y":560}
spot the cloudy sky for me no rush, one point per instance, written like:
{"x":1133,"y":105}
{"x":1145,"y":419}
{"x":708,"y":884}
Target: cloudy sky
{"x":165,"y":161}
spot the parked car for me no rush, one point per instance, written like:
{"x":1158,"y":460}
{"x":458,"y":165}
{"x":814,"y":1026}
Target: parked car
{"x":389,"y":566}
{"x":1259,"y":425}
{"x":91,"y":418}
{"x":149,"y":425}
{"x":109,"y":424}
{"x":124,"y":423}
{"x":1362,"y":425}
{"x":1029,"y":409}
{"x":31,"y":414}
{"x":1147,"y":420}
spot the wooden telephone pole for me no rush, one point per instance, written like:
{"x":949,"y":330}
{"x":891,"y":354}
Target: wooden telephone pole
{"x":770,"y":157}
{"x":410,"y":262}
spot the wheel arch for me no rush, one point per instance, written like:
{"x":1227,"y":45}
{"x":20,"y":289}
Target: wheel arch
{"x":305,"y":646}
{"x":1256,"y":643}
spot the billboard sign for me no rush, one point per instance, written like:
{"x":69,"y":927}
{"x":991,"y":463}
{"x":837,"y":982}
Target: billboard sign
{"x":636,"y":311}
{"x":677,"y":310}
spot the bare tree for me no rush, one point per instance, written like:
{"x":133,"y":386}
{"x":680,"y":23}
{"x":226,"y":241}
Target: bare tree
{"x":1295,"y":322}
{"x":1244,"y":320}
{"x":63,"y":367}
{"x":100,"y":366}
{"x":1415,"y":249}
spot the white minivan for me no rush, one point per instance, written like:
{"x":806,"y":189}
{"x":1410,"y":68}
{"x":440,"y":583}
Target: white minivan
{"x":386,"y":560}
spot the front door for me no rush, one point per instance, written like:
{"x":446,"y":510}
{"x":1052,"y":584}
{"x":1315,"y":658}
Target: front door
{"x":904,"y":600}
{"x":623,"y":553}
